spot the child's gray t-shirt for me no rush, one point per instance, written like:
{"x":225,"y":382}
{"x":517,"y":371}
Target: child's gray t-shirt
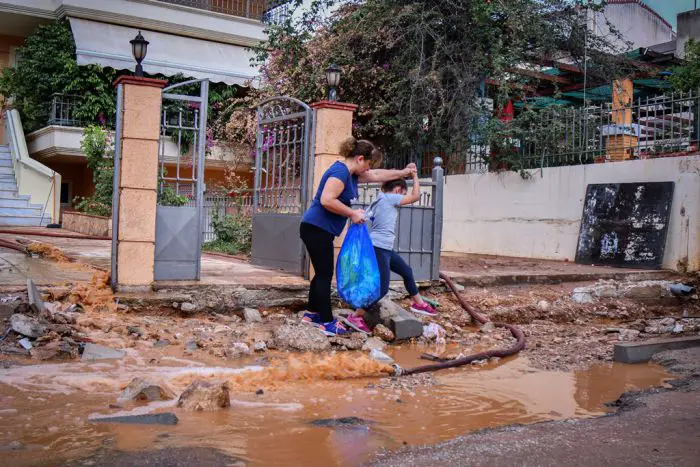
{"x":382,"y":215}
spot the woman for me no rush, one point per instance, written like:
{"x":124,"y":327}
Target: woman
{"x":326,"y":217}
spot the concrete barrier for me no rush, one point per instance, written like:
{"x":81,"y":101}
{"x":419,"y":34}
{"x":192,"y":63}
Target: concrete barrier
{"x":639,"y":352}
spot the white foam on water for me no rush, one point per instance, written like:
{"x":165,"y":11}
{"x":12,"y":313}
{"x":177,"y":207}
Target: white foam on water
{"x":288,"y":407}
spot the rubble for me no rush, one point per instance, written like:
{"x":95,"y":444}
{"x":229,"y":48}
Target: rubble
{"x":237,"y":350}
{"x":374,"y":343}
{"x":27,"y":326}
{"x":402,"y":324}
{"x":300,"y":337}
{"x":94,"y":352}
{"x":251,"y":315}
{"x":140,"y":390}
{"x":383,"y":333}
{"x":205,"y":396}
{"x":53,"y":350}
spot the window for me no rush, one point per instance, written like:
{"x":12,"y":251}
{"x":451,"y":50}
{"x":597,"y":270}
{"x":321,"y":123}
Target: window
{"x":66,"y":192}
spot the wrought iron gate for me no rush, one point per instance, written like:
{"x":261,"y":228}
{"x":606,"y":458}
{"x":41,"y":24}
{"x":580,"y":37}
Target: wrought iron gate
{"x":282,"y":174}
{"x":181,"y":181}
{"x":419,"y":226}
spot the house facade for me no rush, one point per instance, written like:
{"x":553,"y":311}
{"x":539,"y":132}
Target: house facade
{"x":192,"y":38}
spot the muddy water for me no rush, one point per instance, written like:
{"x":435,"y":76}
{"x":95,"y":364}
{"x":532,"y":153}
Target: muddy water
{"x":48,"y":407}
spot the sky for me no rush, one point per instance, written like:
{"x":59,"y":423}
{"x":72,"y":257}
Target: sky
{"x":670,"y":8}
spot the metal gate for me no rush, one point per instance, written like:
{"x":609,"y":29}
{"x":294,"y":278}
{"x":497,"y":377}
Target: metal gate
{"x":179,"y":214}
{"x":282,"y":171}
{"x":419,"y":229}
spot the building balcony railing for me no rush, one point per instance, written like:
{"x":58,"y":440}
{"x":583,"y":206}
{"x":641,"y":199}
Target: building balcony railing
{"x":63,"y":112}
{"x":268,"y":11}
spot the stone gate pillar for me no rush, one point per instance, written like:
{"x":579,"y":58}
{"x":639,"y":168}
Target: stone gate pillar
{"x":332,"y":124}
{"x":135,"y":182}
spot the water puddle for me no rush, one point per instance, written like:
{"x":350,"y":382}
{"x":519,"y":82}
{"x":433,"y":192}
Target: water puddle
{"x":48,"y":407}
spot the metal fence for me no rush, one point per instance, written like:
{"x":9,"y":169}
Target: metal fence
{"x":265,"y":10}
{"x":653,"y":127}
{"x":63,"y":112}
{"x":224,"y":204}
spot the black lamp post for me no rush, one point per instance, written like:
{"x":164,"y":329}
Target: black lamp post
{"x":139,"y":47}
{"x":333,"y":79}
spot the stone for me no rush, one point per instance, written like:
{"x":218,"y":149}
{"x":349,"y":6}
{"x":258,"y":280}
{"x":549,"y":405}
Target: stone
{"x":35,"y":301}
{"x":341,"y":313}
{"x":134,"y":330}
{"x":161,"y":343}
{"x":54,"y":350}
{"x":300,"y":337}
{"x":94,"y":352}
{"x":383,"y":333}
{"x":582,"y":295}
{"x":13,"y":446}
{"x":237,"y":349}
{"x":380,"y":356}
{"x":191,"y":345}
{"x":406,"y":327}
{"x":205,"y":396}
{"x":543,"y":305}
{"x":646,"y":290}
{"x":639,"y":352}
{"x":350,"y":343}
{"x":628,"y":334}
{"x":342,"y":422}
{"x":188,"y":307}
{"x":146,"y":419}
{"x":141,"y":390}
{"x":259,"y":346}
{"x":667,"y":322}
{"x":373,"y":343}
{"x":27,"y":326}
{"x":677,"y":329}
{"x":487,"y":328}
{"x":402,"y":324}
{"x":63,"y":318}
{"x":176,"y":305}
{"x":251,"y":315}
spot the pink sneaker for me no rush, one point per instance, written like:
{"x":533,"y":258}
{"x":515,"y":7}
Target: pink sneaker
{"x":357,"y":323}
{"x":423,"y":309}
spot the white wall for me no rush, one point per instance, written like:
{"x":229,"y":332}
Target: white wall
{"x":503,"y":214}
{"x":637,"y":24}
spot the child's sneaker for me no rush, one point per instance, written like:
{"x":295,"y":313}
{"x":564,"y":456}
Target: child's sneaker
{"x":311,"y":318}
{"x":423,"y":309}
{"x":357,"y":323}
{"x":333,"y":328}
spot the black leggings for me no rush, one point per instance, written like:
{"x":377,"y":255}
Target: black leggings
{"x":319,"y":244}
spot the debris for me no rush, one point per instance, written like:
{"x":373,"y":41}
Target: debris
{"x":383,"y":333}
{"x":27,"y":326}
{"x":134,"y":330}
{"x":380,"y":356}
{"x":402,"y":324}
{"x":205,"y":396}
{"x":543,"y":305}
{"x":581,"y":295}
{"x":13,"y":446}
{"x":140,"y":390}
{"x":35,"y":301}
{"x":251,"y":315}
{"x":433,"y":331}
{"x":373,"y":343}
{"x":677,"y":329}
{"x":342,"y":422}
{"x":188,"y":307}
{"x":300,"y":337}
{"x":94,"y":352}
{"x":54,"y":349}
{"x":431,"y":302}
{"x":628,"y":334}
{"x":259,"y":346}
{"x":145,"y":419}
{"x":354,"y":341}
{"x":25,"y":343}
{"x":681,"y":289}
{"x":191,"y":345}
{"x":236,"y":350}
{"x":487,"y":328}
{"x":161,"y":343}
{"x":259,"y":392}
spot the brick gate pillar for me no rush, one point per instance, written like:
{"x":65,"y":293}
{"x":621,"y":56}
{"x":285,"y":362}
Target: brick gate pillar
{"x":136,"y":182}
{"x":332,"y":124}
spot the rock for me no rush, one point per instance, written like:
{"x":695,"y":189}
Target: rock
{"x":343,"y":422}
{"x":62,"y":329}
{"x":259,"y":346}
{"x":176,"y":305}
{"x":191,"y":345}
{"x":646,"y":290}
{"x":205,"y":396}
{"x":94,"y":352}
{"x":380,"y":356}
{"x":628,"y":334}
{"x":35,"y":301}
{"x":677,"y":329}
{"x":667,"y":322}
{"x":300,"y":337}
{"x":402,"y":324}
{"x":161,"y":343}
{"x":487,"y":328}
{"x":13,"y":446}
{"x":237,"y":350}
{"x":342,"y":313}
{"x":543,"y":305}
{"x":383,"y":333}
{"x":251,"y":315}
{"x":188,"y":307}
{"x":140,"y":390}
{"x":63,"y":318}
{"x":259,"y":392}
{"x":146,"y":419}
{"x":53,"y":350}
{"x":582,"y":295}
{"x":350,"y":343}
{"x":134,"y":330}
{"x":374,"y":343}
{"x":27,"y":326}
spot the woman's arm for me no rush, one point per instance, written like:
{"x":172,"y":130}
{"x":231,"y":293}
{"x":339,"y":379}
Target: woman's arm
{"x":329,"y":200}
{"x":384,"y":175}
{"x":415,"y":193}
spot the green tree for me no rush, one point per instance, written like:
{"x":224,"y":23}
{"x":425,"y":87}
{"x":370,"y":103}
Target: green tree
{"x":98,"y":147}
{"x":47,"y":65}
{"x":686,"y":77}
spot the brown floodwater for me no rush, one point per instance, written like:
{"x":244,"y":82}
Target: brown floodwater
{"x":48,"y":407}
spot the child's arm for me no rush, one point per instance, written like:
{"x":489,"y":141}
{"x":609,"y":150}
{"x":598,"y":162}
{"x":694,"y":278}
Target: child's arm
{"x":415,"y":194}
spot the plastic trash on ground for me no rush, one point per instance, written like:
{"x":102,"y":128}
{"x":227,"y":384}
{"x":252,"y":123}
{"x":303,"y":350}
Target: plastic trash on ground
{"x":357,"y":271}
{"x":434,"y":331}
{"x":380,"y":356}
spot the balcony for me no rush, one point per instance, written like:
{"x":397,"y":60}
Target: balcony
{"x":268,"y":11}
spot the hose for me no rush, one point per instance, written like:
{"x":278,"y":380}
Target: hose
{"x":37,"y":233}
{"x":12,"y":245}
{"x":443,"y":364}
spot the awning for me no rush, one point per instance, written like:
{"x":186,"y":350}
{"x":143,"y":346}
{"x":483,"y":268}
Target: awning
{"x":108,"y":45}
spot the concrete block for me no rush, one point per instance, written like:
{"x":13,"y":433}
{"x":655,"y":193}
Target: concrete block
{"x":141,"y":112}
{"x":135,"y":263}
{"x":35,"y":301}
{"x":137,"y":215}
{"x":406,"y":327}
{"x":403,"y":324}
{"x":332,"y":127}
{"x":139,"y":167}
{"x":639,"y":352}
{"x":94,"y":352}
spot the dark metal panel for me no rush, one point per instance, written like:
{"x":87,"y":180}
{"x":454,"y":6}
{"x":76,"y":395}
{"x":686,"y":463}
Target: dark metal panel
{"x":177,"y":243}
{"x":276,"y":242}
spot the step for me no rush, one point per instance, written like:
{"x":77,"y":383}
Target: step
{"x":8,"y":186}
{"x":11,"y":194}
{"x":5,"y":162}
{"x":23,"y":221}
{"x":7,"y":170}
{"x":21,"y":211}
{"x":14,"y":203}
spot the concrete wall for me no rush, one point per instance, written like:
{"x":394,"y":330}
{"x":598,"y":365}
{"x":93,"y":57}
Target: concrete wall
{"x":638,"y":23}
{"x":503,"y":214}
{"x":87,"y":224}
{"x":6,"y":44}
{"x":688,"y":27}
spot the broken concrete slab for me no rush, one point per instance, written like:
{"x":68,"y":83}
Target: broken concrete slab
{"x":95,"y":352}
{"x":639,"y":352}
{"x":301,"y":337}
{"x":205,"y":396}
{"x":141,"y":390}
{"x":145,"y":419}
{"x":35,"y":301}
{"x":402,"y":323}
{"x":251,"y":315}
{"x":27,"y":326}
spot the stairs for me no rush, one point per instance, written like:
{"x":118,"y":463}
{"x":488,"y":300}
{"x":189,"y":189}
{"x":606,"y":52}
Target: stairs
{"x":15,"y":209}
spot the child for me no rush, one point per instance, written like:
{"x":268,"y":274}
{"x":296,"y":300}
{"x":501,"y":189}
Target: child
{"x":383,"y":213}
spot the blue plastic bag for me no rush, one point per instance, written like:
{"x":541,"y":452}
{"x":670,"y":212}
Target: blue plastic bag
{"x":357,"y":271}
